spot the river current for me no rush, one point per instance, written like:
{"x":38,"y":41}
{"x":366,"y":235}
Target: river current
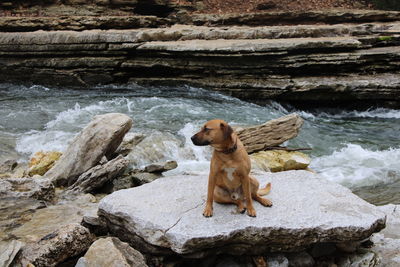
{"x":358,"y":149}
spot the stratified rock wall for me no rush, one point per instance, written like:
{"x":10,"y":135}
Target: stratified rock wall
{"x":327,"y":64}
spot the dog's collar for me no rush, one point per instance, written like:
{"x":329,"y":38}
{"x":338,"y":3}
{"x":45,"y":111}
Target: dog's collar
{"x":229,"y":150}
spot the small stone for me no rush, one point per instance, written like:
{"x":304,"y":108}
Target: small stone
{"x":161,"y":167}
{"x":41,"y":162}
{"x":140,"y":178}
{"x":277,"y":261}
{"x":111,"y":251}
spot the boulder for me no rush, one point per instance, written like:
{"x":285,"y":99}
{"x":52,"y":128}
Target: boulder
{"x":101,"y":137}
{"x":161,"y":167}
{"x":111,"y":251}
{"x":129,"y":142}
{"x":362,"y":259}
{"x":307,"y":209}
{"x":97,"y":176}
{"x":54,"y":248}
{"x":271,"y":133}
{"x":280,"y":160}
{"x":41,"y":189}
{"x":8,"y":251}
{"x":41,"y":162}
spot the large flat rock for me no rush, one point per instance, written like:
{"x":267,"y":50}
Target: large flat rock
{"x":167,"y":214}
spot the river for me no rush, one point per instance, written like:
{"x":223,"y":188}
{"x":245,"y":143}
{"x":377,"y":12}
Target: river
{"x":359,"y":149}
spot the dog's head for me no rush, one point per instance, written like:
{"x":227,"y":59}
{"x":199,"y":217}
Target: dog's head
{"x":213,"y":132}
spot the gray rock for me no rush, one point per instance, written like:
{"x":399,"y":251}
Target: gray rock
{"x":316,"y":211}
{"x":388,"y":250}
{"x":387,"y":242}
{"x":392,"y":212}
{"x":278,"y":260}
{"x":97,"y":176}
{"x":8,"y":251}
{"x":52,"y":249}
{"x":140,"y":178}
{"x":161,"y":167}
{"x":361,"y":259}
{"x":8,"y":166}
{"x":30,"y":220}
{"x":129,"y":142}
{"x":111,"y":251}
{"x":41,"y":189}
{"x":101,"y":137}
{"x":95,"y":225}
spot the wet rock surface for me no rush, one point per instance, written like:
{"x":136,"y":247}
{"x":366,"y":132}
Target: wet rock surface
{"x":101,"y":137}
{"x":298,"y":196}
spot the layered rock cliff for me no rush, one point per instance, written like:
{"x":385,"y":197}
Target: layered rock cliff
{"x":330,"y":58}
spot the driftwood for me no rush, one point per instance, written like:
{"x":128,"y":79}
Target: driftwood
{"x":271,"y":133}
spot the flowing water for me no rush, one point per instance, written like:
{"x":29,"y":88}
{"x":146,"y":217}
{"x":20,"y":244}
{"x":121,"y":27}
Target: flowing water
{"x":359,"y":149}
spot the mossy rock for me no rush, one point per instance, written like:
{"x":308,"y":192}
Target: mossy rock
{"x":41,"y":162}
{"x":280,"y":160}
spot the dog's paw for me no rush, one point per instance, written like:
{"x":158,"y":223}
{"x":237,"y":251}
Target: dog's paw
{"x":242,"y":210}
{"x":251,"y":212}
{"x":208,"y":212}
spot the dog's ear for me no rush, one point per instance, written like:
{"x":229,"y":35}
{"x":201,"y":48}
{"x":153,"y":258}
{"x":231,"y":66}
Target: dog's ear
{"x":227,"y":130}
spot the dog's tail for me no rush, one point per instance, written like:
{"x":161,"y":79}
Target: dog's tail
{"x":265,"y":190}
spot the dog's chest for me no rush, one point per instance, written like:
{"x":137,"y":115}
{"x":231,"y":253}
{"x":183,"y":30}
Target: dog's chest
{"x":229,"y":173}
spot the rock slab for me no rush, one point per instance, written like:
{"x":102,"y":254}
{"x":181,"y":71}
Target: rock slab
{"x":307,"y":209}
{"x":101,"y":137}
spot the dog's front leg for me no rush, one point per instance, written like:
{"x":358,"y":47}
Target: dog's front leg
{"x":208,"y":210}
{"x":247,"y":194}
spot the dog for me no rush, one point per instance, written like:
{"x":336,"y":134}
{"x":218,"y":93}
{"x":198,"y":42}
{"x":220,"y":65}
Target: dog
{"x":229,"y":180}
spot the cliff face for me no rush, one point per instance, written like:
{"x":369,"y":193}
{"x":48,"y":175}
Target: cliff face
{"x":314,"y":59}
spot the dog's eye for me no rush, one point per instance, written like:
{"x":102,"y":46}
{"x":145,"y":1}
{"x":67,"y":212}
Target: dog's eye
{"x":207,"y":129}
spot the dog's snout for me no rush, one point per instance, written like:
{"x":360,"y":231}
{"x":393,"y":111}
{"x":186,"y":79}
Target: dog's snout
{"x":198,"y":141}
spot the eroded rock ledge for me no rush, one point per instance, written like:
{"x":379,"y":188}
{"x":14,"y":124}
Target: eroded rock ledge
{"x":318,"y":64}
{"x":307,"y":210}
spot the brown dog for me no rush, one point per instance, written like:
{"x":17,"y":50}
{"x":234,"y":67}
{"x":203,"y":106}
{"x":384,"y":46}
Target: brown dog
{"x":229,"y":180}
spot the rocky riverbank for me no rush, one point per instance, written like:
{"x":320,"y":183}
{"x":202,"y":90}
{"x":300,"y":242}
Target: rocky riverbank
{"x":320,"y":223}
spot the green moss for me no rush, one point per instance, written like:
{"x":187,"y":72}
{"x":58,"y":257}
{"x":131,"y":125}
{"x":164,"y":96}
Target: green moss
{"x":385,"y":38}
